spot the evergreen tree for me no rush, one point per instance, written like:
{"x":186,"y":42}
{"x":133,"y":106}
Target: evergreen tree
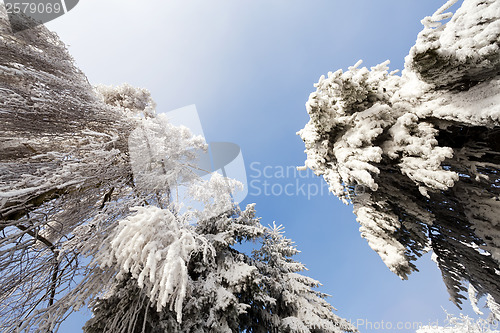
{"x":417,"y":155}
{"x":294,"y":305}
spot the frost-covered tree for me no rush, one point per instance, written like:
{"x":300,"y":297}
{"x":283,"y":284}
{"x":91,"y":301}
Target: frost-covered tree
{"x":418,"y":155}
{"x":90,"y":215}
{"x":188,"y":278}
{"x":63,"y":163}
{"x":291,"y":304}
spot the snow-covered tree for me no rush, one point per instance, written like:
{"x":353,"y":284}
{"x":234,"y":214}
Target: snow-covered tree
{"x":101,"y":205}
{"x":418,"y":154}
{"x":188,"y":278}
{"x":291,"y":304}
{"x":63,"y":163}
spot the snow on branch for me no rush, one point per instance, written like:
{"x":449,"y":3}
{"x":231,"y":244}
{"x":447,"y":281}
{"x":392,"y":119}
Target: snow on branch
{"x":439,"y":15}
{"x":154,"y":248}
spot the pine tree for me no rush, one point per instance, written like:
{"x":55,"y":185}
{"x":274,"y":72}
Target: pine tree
{"x":294,"y":305}
{"x":203,"y":293}
{"x":417,"y":155}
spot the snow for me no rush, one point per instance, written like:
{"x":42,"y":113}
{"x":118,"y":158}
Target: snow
{"x":154,"y":247}
{"x":479,"y":106}
{"x":469,"y":42}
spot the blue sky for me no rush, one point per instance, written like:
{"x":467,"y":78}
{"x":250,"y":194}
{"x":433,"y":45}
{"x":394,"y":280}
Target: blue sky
{"x":249,"y":66}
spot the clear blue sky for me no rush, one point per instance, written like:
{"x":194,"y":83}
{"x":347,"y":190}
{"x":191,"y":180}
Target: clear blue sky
{"x":249,"y":66}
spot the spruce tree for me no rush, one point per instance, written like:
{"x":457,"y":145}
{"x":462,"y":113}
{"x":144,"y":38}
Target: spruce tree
{"x":418,"y":154}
